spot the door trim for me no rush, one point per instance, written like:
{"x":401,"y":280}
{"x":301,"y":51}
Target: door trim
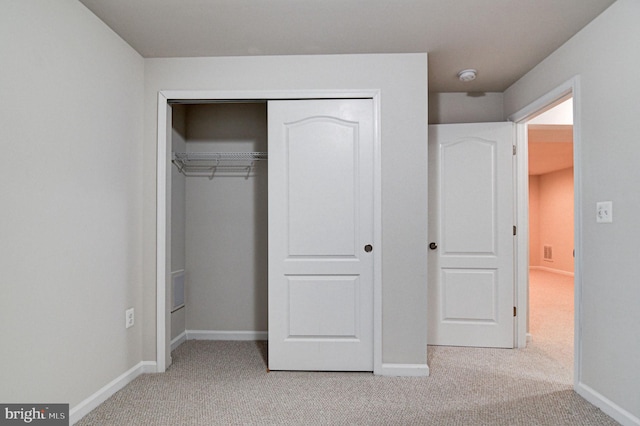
{"x":571,"y":88}
{"x":163,"y":197}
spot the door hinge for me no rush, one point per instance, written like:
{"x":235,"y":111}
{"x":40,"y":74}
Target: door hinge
{"x":515,"y":150}
{"x":515,"y":230}
{"x":515,"y":311}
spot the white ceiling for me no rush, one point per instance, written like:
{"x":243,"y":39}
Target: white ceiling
{"x":502,"y":39}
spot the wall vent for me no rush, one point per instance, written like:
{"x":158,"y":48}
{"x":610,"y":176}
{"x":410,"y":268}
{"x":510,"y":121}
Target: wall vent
{"x":548,"y":253}
{"x":177,"y":290}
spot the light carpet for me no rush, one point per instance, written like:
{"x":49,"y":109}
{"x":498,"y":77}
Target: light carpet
{"x":227,"y":383}
{"x":551,"y":314}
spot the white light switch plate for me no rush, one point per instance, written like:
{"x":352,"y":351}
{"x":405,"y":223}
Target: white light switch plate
{"x":604,"y":212}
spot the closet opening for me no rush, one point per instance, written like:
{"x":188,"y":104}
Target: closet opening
{"x":231,"y":122}
{"x":218,"y":247}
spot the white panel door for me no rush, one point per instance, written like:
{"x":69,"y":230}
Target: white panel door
{"x":320,"y":222}
{"x":471,"y":219}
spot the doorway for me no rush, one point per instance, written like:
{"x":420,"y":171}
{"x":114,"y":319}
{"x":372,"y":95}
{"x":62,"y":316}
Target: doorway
{"x":551,"y":232}
{"x":567,"y":90}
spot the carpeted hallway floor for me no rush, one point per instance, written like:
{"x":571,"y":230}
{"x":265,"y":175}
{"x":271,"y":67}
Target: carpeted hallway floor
{"x":551,"y":315}
{"x":226,"y":383}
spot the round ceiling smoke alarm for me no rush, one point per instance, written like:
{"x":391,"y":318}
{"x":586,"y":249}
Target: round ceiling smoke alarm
{"x":467,"y":75}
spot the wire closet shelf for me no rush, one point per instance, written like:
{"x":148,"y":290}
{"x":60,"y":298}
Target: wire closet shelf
{"x":211,"y":163}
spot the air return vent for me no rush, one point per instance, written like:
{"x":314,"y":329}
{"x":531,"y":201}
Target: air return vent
{"x":177,"y":290}
{"x":548,"y":253}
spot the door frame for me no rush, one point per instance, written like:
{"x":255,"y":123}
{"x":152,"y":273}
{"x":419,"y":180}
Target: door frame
{"x":163,"y":197}
{"x":570,"y":88}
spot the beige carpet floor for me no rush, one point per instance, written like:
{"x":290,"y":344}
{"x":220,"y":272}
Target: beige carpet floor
{"x":226,"y":383}
{"x":551,"y":315}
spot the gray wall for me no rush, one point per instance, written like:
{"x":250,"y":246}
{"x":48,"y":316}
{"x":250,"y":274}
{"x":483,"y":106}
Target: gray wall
{"x":462,"y":107}
{"x":226,"y":222}
{"x":604,"y":54}
{"x":71,"y":185}
{"x":404,"y":171}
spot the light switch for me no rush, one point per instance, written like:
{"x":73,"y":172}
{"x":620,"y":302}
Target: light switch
{"x":604,"y":212}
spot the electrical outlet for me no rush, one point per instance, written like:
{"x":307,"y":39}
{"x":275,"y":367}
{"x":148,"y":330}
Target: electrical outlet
{"x":604,"y":212}
{"x":129,"y":318}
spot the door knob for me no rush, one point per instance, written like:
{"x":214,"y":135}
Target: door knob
{"x":433,"y":246}
{"x":368,"y":248}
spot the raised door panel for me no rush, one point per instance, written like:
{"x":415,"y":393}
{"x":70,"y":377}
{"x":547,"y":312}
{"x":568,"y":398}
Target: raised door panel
{"x":322,"y":167}
{"x":311,"y":298}
{"x":468,"y":208}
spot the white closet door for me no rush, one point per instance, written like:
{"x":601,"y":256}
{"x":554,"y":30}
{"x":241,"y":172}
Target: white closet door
{"x":320,"y":232}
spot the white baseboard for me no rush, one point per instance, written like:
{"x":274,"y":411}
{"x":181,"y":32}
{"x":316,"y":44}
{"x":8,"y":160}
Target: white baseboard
{"x":226,"y":335}
{"x":618,"y":413}
{"x":83,"y":408}
{"x":404,"y":370}
{"x":548,"y":269}
{"x":178,"y":340}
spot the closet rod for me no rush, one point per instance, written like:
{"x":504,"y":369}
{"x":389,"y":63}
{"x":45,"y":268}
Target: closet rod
{"x":208,"y":163}
{"x":219,"y":156}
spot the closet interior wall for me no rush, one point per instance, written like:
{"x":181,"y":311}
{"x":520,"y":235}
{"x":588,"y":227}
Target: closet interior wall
{"x":225,"y":223}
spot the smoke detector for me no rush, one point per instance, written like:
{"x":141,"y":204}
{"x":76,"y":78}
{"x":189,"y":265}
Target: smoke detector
{"x":467,"y":75}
